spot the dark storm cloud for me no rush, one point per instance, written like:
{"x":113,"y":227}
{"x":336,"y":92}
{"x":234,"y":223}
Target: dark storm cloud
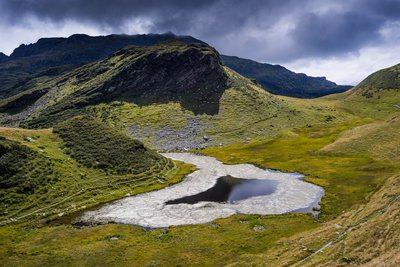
{"x":386,"y":8}
{"x":316,"y":27}
{"x":336,"y":32}
{"x":175,"y":14}
{"x":111,"y":12}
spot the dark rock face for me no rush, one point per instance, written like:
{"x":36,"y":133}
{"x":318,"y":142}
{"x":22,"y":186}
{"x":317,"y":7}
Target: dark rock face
{"x":189,"y":74}
{"x":193,"y":77}
{"x":281,"y":81}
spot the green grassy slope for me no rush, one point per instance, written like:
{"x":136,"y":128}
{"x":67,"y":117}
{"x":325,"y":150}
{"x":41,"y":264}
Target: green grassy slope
{"x":96,"y":145}
{"x":44,"y":176}
{"x":378,"y":96}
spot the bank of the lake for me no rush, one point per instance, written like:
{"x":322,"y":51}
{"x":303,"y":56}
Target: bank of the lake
{"x":151,"y":209}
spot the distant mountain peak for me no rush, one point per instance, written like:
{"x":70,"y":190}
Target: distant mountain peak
{"x":278,"y":80}
{"x":105,"y":44}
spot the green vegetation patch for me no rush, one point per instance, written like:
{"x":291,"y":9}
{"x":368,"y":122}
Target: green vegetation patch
{"x":97,"y":145}
{"x":214,"y":244}
{"x":54,"y":184}
{"x":23,"y":172}
{"x":348,"y":179}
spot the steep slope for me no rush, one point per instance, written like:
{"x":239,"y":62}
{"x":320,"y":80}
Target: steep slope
{"x":281,"y":81}
{"x":170,"y":96}
{"x":28,"y":61}
{"x":43,"y":174}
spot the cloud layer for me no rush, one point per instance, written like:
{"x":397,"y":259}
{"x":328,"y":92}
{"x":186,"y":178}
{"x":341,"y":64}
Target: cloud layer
{"x":300,"y":34}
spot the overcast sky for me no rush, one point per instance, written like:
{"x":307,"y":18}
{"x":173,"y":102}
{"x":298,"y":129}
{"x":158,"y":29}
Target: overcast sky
{"x":344,"y":40}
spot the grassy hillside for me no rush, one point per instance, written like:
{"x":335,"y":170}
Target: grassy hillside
{"x":96,"y":145}
{"x":23,"y":172}
{"x":359,"y":214}
{"x":191,"y":75}
{"x":43,"y":176}
{"x":380,"y":138}
{"x":377,"y":96}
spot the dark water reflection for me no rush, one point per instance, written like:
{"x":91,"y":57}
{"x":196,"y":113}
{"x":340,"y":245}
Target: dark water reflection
{"x":230,"y":189}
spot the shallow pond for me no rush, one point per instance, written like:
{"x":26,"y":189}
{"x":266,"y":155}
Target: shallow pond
{"x":215,"y":190}
{"x":230,"y":189}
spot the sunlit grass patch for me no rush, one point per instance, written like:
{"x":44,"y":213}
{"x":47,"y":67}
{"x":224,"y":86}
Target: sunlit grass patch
{"x":348,"y":179}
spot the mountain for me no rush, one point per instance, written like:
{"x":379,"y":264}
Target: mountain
{"x":51,"y":56}
{"x":281,"y":81}
{"x":3,"y":57}
{"x":170,"y":96}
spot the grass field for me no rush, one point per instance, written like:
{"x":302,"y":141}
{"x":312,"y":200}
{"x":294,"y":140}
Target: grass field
{"x":349,"y":179}
{"x":347,"y":143}
{"x":76,"y":186}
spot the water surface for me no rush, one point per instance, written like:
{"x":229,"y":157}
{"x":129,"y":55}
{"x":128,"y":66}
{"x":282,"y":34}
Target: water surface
{"x":230,"y":189}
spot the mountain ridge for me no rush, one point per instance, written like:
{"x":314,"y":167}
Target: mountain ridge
{"x":60,"y":54}
{"x":49,"y":57}
{"x":279,"y":80}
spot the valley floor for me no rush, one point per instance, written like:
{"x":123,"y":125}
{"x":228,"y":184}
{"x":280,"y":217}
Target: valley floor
{"x":358,"y":225}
